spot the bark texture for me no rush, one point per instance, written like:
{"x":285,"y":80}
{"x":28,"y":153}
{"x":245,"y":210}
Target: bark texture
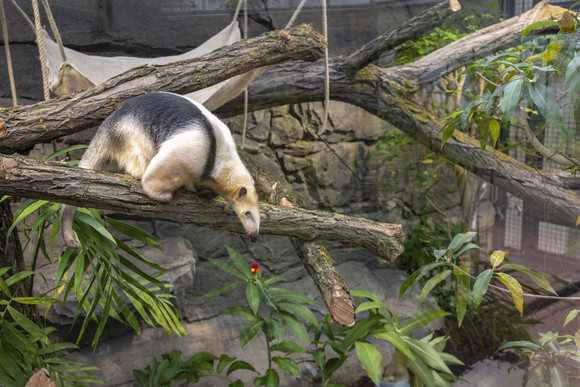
{"x":61,"y":183}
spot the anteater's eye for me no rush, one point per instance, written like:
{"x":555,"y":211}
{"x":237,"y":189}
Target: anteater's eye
{"x":243,"y":191}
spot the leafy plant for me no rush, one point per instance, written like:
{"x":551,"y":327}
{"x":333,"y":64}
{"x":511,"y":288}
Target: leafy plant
{"x":284,"y":311}
{"x":201,"y":364}
{"x":26,"y":347}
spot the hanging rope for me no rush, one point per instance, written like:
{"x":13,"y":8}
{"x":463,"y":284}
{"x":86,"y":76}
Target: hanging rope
{"x":245,"y":119}
{"x":8,"y":55}
{"x":24,"y":15}
{"x":54,"y":29}
{"x":39,"y":42}
{"x":295,"y":15}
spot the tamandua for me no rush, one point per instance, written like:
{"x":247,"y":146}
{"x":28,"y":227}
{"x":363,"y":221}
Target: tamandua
{"x":168,"y":141}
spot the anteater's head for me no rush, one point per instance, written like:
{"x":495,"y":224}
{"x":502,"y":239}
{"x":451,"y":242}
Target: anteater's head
{"x":244,"y":200}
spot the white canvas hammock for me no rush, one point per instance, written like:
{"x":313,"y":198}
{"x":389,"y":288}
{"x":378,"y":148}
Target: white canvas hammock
{"x":81,"y":71}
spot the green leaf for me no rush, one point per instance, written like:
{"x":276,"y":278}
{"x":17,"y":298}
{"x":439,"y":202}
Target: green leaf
{"x":28,"y":325}
{"x":519,"y":344}
{"x":482,"y":121}
{"x":422,"y":319}
{"x":571,"y":315}
{"x":272,"y":378}
{"x":359,"y":330}
{"x":497,"y":258}
{"x":249,"y":331}
{"x":298,"y":310}
{"x":288,"y":346}
{"x":65,"y":150}
{"x":371,"y":360}
{"x":253,"y":296}
{"x":294,"y":325}
{"x":462,"y":283}
{"x":427,"y":353}
{"x":133,"y":232}
{"x":511,"y":98}
{"x":480,"y":286}
{"x":25,"y":212}
{"x":228,"y":269}
{"x":449,"y":129}
{"x":429,"y":285}
{"x":572,"y":67}
{"x":35,"y":300}
{"x":503,"y":54}
{"x":96,"y":225}
{"x":464,"y":248}
{"x":224,"y":289}
{"x":365,"y":294}
{"x":494,"y":130}
{"x":223,"y":362}
{"x":460,"y":239}
{"x":290,"y":295}
{"x":369,"y":305}
{"x":515,"y":289}
{"x":396,"y":338}
{"x":240,"y":365}
{"x":539,"y":279}
{"x":421,"y":372}
{"x":17,"y":277}
{"x":538,"y":24}
{"x":417,"y":275}
{"x":240,"y":262}
{"x":287,"y":365}
{"x":546,"y":103}
{"x":319,"y":357}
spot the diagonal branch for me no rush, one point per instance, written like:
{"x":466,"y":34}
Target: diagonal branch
{"x":22,"y":127}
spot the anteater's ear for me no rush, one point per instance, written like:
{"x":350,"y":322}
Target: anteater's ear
{"x":242,"y":193}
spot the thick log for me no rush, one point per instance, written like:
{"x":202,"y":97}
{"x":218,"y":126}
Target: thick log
{"x":61,"y":183}
{"x":389,"y":93}
{"x":22,"y":127}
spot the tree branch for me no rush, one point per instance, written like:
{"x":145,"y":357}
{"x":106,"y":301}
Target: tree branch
{"x":61,"y":183}
{"x":22,"y":127}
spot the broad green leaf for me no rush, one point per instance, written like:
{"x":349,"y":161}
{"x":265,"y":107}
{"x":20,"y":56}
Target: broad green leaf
{"x":369,"y":305}
{"x":494,"y":130}
{"x":552,"y":50}
{"x":290,"y":295}
{"x":294,"y":325}
{"x":464,"y":248}
{"x":96,"y":225}
{"x":539,"y":279}
{"x":572,"y":67}
{"x":421,"y":371}
{"x":298,"y":310}
{"x":359,"y":330}
{"x":497,"y":258}
{"x":22,"y":215}
{"x":27,"y":324}
{"x":239,"y":311}
{"x":249,"y":331}
{"x":200,"y":357}
{"x":240,"y":262}
{"x":224,"y":289}
{"x":274,"y":279}
{"x":223,"y":362}
{"x":371,"y":360}
{"x":18,"y":276}
{"x":35,"y":300}
{"x":429,"y":285}
{"x":460,"y":239}
{"x":133,"y":232}
{"x":288,"y":346}
{"x":240,"y":365}
{"x":390,"y":335}
{"x":462,"y":283}
{"x":503,"y":54}
{"x":511,"y":98}
{"x":571,"y":315}
{"x":480,"y":286}
{"x":450,"y":359}
{"x":448,"y":130}
{"x":519,"y":344}
{"x":421,"y":319}
{"x":482,"y":121}
{"x":515,"y":289}
{"x":546,"y":103}
{"x":427,"y":353}
{"x":228,"y":269}
{"x":365,"y":294}
{"x":538,"y":24}
{"x":417,"y":275}
{"x":287,"y":365}
{"x":253,"y":296}
{"x":272,"y":379}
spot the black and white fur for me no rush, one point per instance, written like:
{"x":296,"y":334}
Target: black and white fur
{"x":168,"y":141}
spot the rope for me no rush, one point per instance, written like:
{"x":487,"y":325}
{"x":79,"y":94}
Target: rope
{"x":8,"y":55}
{"x":24,"y":15}
{"x":245,"y":119}
{"x":295,"y":15}
{"x":38,"y":29}
{"x":237,"y":11}
{"x":54,"y":29}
